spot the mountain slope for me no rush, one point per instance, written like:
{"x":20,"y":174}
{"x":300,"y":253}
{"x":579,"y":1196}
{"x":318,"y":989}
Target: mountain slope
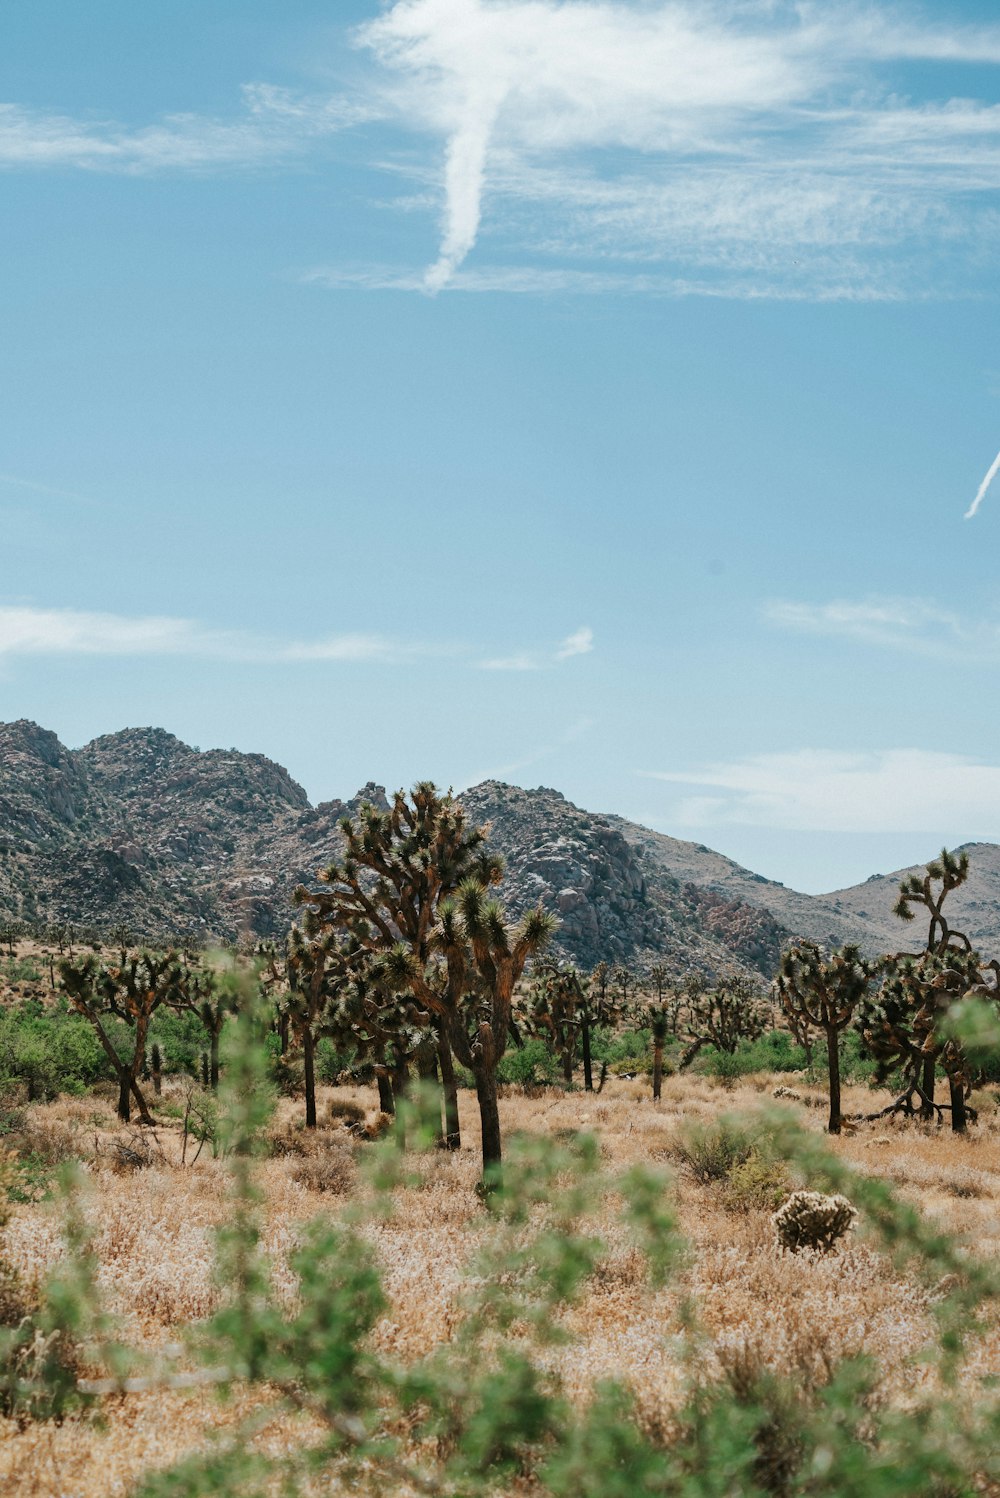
{"x":138,"y":828}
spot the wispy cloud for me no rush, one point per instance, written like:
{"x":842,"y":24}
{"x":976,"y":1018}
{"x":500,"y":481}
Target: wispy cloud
{"x":576,"y":730}
{"x":26,"y":630}
{"x":12,"y":480}
{"x":910,"y":624}
{"x":991,"y":474}
{"x":271,"y":124}
{"x":752,"y":137}
{"x":580,"y":642}
{"x":817,"y":790}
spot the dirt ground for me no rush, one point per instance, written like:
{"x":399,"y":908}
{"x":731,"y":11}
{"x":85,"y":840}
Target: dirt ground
{"x":154,"y":1239}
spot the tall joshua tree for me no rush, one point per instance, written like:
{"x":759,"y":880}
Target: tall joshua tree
{"x":904,"y":1024}
{"x":823,"y":993}
{"x":482,"y":959}
{"x":412,"y":893}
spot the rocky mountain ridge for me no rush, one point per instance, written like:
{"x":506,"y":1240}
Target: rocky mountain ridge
{"x":139,"y":829}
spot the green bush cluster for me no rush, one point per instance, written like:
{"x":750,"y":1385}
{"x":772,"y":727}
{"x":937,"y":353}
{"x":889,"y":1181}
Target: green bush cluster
{"x":47,"y":1050}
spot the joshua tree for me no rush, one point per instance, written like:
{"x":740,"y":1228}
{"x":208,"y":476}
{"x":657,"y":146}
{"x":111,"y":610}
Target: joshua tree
{"x":131,"y":991}
{"x":156,"y":1068}
{"x":823,"y":993}
{"x":482,"y":960}
{"x":411,"y":893}
{"x":659,"y":1025}
{"x":554,"y":1010}
{"x":670,"y":997}
{"x":201,"y":992}
{"x":10,"y":933}
{"x":904,"y":1023}
{"x":625,"y":979}
{"x":723,"y":1016}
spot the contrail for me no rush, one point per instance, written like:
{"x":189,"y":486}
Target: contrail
{"x":987,"y":481}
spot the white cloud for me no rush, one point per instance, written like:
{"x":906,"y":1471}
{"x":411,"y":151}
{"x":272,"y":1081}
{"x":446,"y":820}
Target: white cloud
{"x":273,"y":123}
{"x":580,"y":642}
{"x":816,"y":790}
{"x":909,"y":624}
{"x":708,"y":132}
{"x":27,"y":631}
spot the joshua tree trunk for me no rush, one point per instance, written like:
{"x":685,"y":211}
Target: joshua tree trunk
{"x":485,"y":1074}
{"x":452,"y":1130}
{"x":283,"y":1032}
{"x":213,"y":1065}
{"x":489,"y":1113}
{"x":657,"y":1069}
{"x":833,"y":1064}
{"x":588,"y":1070}
{"x":927,"y":1087}
{"x":157,"y":1081}
{"x":126,"y":1081}
{"x":567,"y":1061}
{"x":386,"y":1100}
{"x":958,"y":1116}
{"x":309,"y":1061}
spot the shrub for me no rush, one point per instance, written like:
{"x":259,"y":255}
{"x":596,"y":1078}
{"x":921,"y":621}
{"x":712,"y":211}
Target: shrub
{"x":708,"y":1152}
{"x":45,"y":1051}
{"x":528,"y":1065}
{"x":346,"y":1110}
{"x":756,"y":1184}
{"x":809,"y":1219}
{"x":329,"y":1169}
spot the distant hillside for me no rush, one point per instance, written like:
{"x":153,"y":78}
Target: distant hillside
{"x":138,"y":828}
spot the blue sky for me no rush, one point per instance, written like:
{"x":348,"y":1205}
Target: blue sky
{"x":585,"y":395}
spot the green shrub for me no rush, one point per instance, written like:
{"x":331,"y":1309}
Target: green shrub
{"x":528,"y":1064}
{"x":21,"y":970}
{"x":709,"y":1152}
{"x":774,"y":1052}
{"x":756,"y":1184}
{"x":48,"y":1050}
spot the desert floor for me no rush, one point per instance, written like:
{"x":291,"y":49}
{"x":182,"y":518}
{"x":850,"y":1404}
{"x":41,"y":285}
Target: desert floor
{"x":154,"y":1239}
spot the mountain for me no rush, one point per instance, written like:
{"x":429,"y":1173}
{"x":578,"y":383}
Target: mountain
{"x":141,"y":830}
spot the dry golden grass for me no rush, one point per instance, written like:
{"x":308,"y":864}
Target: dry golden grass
{"x":154,"y":1238}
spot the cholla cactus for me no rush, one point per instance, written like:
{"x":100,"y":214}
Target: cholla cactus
{"x":788,"y":1093}
{"x":809,"y":1219}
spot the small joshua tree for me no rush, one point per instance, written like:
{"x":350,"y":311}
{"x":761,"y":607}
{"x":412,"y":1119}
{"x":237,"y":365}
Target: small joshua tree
{"x":824,"y":993}
{"x":723,"y":1016}
{"x":554,"y":1010}
{"x":659,"y":1026}
{"x":131,"y":991}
